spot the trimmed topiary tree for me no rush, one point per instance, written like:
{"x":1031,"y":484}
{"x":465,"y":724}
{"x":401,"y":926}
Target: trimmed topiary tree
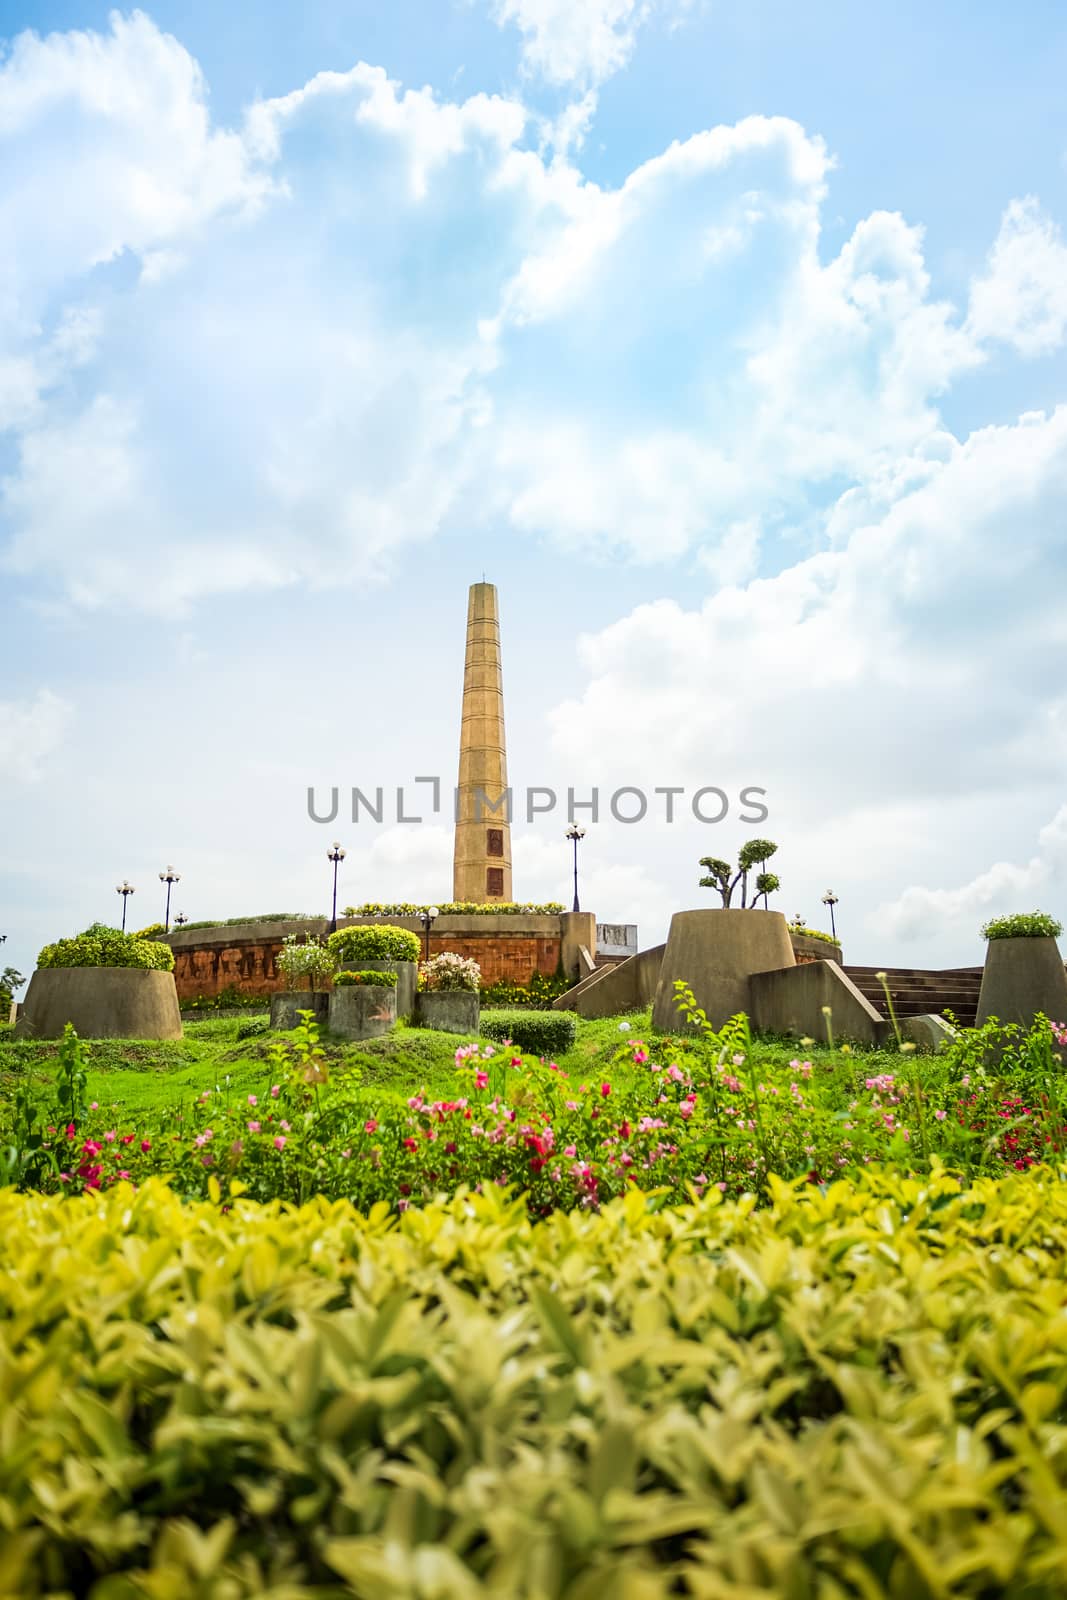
{"x":379,"y":942}
{"x":101,"y":946}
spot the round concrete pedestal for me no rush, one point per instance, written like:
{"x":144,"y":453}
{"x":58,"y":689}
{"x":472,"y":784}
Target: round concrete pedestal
{"x":715,"y":953}
{"x":362,"y":1010}
{"x":1022,"y":977}
{"x":449,"y":1010}
{"x":101,"y":1003}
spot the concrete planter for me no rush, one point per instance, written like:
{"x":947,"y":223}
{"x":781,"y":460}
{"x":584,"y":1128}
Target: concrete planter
{"x":362,"y":1011}
{"x":102,"y":1003}
{"x":407,"y":973}
{"x":1022,"y":977}
{"x":449,"y":1010}
{"x":716,"y":952}
{"x":285,"y":1005}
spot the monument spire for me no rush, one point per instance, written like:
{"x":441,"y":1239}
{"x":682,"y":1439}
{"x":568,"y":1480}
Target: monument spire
{"x":481,"y":867}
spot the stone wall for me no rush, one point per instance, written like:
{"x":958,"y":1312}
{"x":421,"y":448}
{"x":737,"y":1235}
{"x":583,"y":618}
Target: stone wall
{"x":210,"y":960}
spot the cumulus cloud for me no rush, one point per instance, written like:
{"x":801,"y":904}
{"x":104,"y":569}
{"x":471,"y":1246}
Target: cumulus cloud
{"x":1021,"y":296}
{"x":30,"y":730}
{"x":371,"y":316}
{"x":578,"y":41}
{"x":1000,"y":889}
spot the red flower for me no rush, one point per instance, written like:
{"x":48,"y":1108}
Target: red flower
{"x":411,"y":1144}
{"x":605,"y":1090}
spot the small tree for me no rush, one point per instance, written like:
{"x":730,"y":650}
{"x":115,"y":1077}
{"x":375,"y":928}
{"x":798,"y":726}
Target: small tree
{"x":725,"y":878}
{"x":10,"y":980}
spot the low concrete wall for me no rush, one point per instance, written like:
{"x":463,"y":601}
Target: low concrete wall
{"x":1022,"y":977}
{"x":102,"y":1003}
{"x":613,"y":990}
{"x":577,"y":929}
{"x":715,"y":953}
{"x":792,"y":1001}
{"x":805,"y":948}
{"x":244,"y":955}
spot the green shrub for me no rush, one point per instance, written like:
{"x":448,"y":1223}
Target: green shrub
{"x":382,"y":942}
{"x":540,"y":1033}
{"x":537,"y":994}
{"x":1023,"y":925}
{"x":852,"y":1393}
{"x":100,"y":946}
{"x":228,"y":999}
{"x":372,"y":979}
{"x":153,"y":931}
{"x":253,"y":1028}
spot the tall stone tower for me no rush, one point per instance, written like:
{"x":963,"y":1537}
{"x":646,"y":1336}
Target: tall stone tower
{"x":481,"y":866}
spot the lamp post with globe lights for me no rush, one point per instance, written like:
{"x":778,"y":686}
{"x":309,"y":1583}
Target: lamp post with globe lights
{"x":180,"y":919}
{"x":830,"y":899}
{"x":170,"y":877}
{"x":125,"y":890}
{"x":427,"y":918}
{"x":574,"y":833}
{"x":336,"y":855}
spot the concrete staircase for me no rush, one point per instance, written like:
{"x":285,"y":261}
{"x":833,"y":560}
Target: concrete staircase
{"x":915,"y":992}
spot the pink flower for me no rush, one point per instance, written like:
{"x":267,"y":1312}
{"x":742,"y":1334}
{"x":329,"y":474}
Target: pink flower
{"x":279,"y":1142}
{"x":605,"y":1090}
{"x":940,"y":1115}
{"x":128,"y":1138}
{"x":284,"y":1126}
{"x":252,"y":1100}
{"x":255,"y":1127}
{"x":481,"y":1079}
{"x":122,"y":1174}
{"x":111,"y":1137}
{"x":570,"y":1150}
{"x":370,"y":1127}
{"x":146,"y":1144}
{"x":275,"y":1090}
{"x":94,"y":1105}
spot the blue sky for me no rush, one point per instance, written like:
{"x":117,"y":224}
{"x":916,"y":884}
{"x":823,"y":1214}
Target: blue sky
{"x":728,"y":341}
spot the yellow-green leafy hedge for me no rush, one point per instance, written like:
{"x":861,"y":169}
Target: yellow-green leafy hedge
{"x":858,"y":1393}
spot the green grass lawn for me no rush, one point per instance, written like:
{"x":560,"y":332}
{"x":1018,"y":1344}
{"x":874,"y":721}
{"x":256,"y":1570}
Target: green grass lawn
{"x":141,"y":1075}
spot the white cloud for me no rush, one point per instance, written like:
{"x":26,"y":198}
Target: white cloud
{"x":29,"y":732}
{"x":917,"y":668}
{"x":577,"y":41}
{"x":1003,"y":888}
{"x":1021,"y":298}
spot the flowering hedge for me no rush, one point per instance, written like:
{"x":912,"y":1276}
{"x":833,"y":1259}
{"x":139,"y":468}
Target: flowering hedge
{"x":1023,"y":925}
{"x":856,"y":1393}
{"x":450,"y":971}
{"x":456,"y":908}
{"x":680,"y":1120}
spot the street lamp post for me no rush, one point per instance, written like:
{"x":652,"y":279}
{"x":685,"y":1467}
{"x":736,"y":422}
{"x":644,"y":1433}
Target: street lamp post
{"x":574,"y":833}
{"x":125,"y":890}
{"x":180,"y":919}
{"x":427,"y":918}
{"x":830,"y":899}
{"x":169,"y":877}
{"x":336,"y":855}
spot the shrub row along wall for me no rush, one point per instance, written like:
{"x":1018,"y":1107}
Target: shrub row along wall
{"x":209,"y":961}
